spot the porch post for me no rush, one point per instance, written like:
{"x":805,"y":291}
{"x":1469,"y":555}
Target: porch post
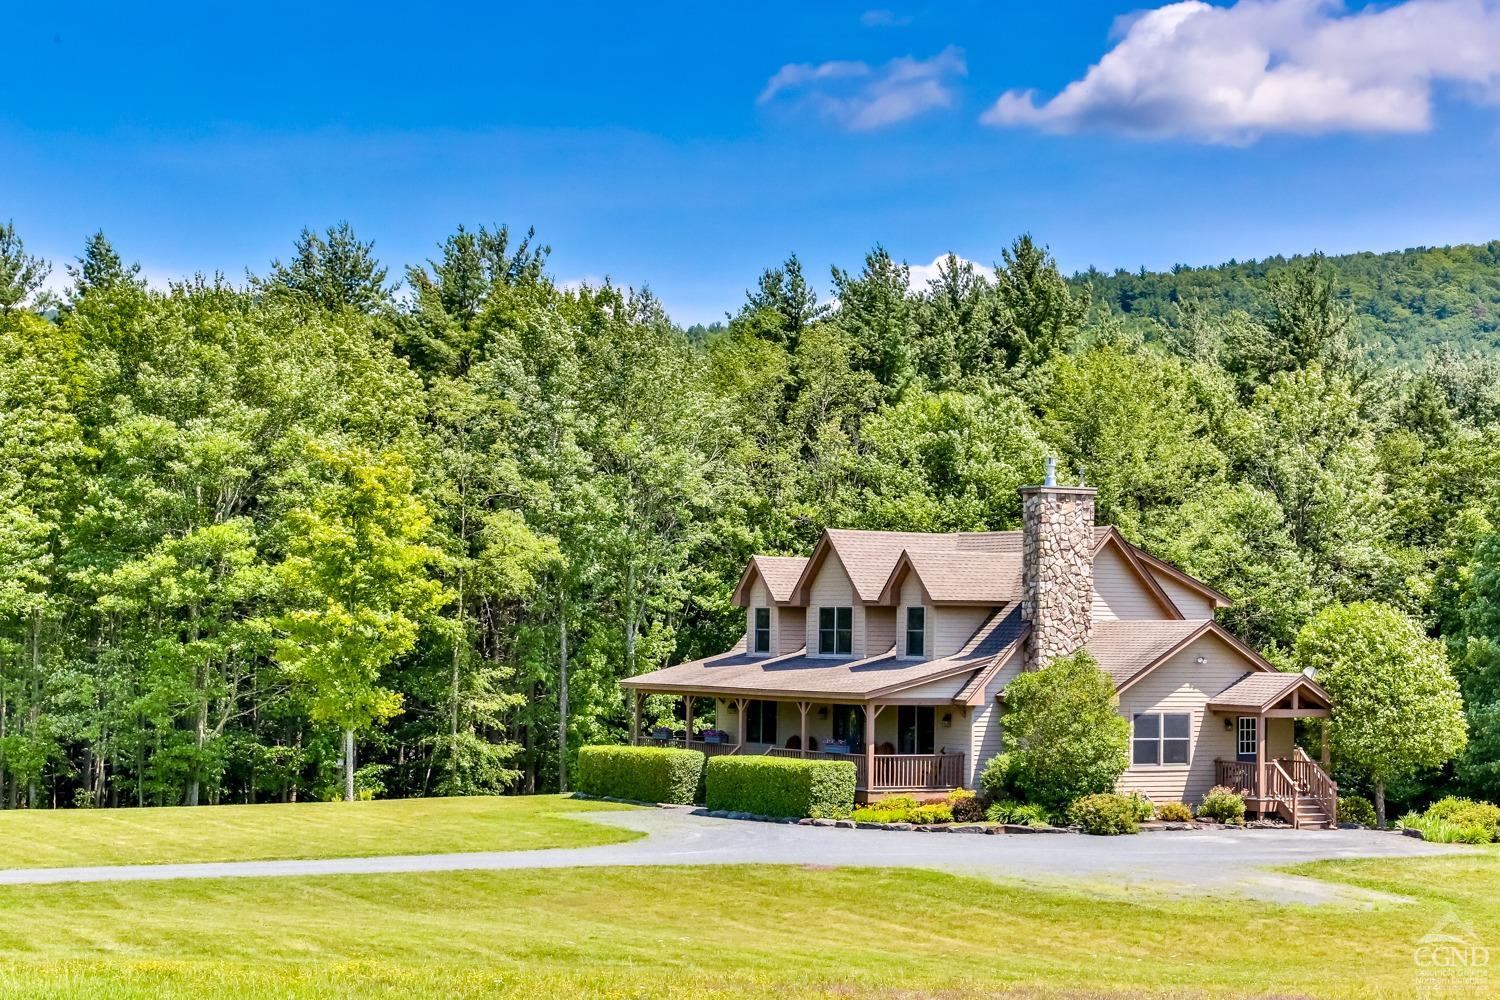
{"x":741,"y":706}
{"x":635,"y":717}
{"x":870,"y":713}
{"x":687,"y":720}
{"x":802,"y":707}
{"x":1323,"y":737}
{"x":1260,"y":760}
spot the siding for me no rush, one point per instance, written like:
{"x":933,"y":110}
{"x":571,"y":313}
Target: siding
{"x":880,"y":630}
{"x":790,"y":626}
{"x":984,"y":721}
{"x":760,"y":597}
{"x":1194,"y":606}
{"x":1183,"y":685}
{"x":832,"y":588}
{"x":1118,"y":592}
{"x":953,"y":626}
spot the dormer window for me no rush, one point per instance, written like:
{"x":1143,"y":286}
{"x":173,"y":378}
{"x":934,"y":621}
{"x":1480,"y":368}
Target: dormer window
{"x":916,"y":631}
{"x":836,"y":631}
{"x":761,"y":640}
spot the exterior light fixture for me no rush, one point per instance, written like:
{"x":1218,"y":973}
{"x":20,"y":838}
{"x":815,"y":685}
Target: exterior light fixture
{"x":1202,"y":659}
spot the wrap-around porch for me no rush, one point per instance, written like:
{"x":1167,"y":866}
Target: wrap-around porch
{"x":894,"y":746}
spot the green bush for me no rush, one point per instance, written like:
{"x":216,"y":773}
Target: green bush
{"x":1440,"y":831}
{"x":1105,"y":815}
{"x":996,"y":779}
{"x":1018,"y":814}
{"x":1062,"y":734}
{"x":781,"y":786}
{"x":1223,"y":805}
{"x":935,"y":813}
{"x":1356,"y":809}
{"x":644,"y":774}
{"x":1467,"y":813}
{"x":966,"y":806}
{"x":1174,"y":812}
{"x":1141,"y":806}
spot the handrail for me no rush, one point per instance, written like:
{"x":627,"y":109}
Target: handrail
{"x":1320,"y":787}
{"x":1281,"y":789}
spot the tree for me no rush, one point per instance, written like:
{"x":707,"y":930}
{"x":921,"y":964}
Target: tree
{"x":1396,"y":706}
{"x":1039,"y":315}
{"x":782,"y":306}
{"x":1307,"y":324}
{"x":20,"y":274}
{"x":1062,"y":733}
{"x":358,"y":570}
{"x":337,"y":271}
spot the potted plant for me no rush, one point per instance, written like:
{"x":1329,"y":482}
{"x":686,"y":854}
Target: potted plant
{"x":661,"y":733}
{"x":714,"y":735}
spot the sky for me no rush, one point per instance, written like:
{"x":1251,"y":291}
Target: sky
{"x":686,"y":147}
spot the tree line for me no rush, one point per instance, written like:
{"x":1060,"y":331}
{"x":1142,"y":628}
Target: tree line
{"x":312,"y":536}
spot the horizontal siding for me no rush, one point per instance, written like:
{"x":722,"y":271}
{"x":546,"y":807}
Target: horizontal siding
{"x":911,"y":597}
{"x":1183,"y":685}
{"x":954,"y":626}
{"x":984,"y":721}
{"x":760,"y":597}
{"x":791,"y":629}
{"x":832,"y":588}
{"x":880,"y":630}
{"x":1193,"y":605}
{"x":1119,"y":593}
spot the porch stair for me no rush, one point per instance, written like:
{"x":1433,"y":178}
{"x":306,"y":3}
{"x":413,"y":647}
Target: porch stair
{"x":1310,"y":814}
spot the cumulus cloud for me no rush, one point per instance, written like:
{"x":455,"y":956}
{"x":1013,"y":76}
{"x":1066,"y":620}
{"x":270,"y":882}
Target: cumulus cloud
{"x":1233,"y":74}
{"x":919,"y":276}
{"x":859,"y":97}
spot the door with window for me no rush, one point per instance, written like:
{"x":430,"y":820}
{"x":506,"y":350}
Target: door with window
{"x":1247,"y":738}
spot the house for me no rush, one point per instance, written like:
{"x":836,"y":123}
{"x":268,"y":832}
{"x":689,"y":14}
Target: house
{"x":894,"y":649}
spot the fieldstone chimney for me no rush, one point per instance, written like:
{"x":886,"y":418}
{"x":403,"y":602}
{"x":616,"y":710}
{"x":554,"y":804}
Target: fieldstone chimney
{"x":1057,"y":567}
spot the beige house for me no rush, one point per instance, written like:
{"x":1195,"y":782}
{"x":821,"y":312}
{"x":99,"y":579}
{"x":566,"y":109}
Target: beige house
{"x":893,"y":649}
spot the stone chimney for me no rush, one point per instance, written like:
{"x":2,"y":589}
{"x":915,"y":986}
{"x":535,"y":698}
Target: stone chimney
{"x":1057,"y":567}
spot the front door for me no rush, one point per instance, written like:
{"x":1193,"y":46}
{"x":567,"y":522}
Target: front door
{"x":1247,"y":738}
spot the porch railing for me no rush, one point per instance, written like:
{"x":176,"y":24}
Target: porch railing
{"x":920,"y":772}
{"x":1280,"y":783}
{"x":708,"y":749}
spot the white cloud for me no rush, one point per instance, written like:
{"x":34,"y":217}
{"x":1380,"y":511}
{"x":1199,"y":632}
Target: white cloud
{"x":1233,"y":74}
{"x":920,"y":275}
{"x":860,"y":97}
{"x":882,"y":18}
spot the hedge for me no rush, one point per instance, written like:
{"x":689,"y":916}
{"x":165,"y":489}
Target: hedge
{"x":781,"y":786}
{"x":645,"y":774}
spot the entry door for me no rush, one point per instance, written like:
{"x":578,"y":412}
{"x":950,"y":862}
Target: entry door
{"x":1247,"y":738}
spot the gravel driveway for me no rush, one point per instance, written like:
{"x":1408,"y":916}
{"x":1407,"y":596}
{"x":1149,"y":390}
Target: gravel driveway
{"x":1190,"y":861}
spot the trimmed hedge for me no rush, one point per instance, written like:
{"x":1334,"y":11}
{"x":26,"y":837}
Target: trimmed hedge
{"x":781,"y":786}
{"x":645,"y":774}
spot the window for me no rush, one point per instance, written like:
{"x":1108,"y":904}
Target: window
{"x":836,"y":630}
{"x":1247,"y":738}
{"x":916,"y":631}
{"x":762,"y":630}
{"x":760,"y":722}
{"x":914,"y":728}
{"x":849,"y":726}
{"x":1162,"y":738}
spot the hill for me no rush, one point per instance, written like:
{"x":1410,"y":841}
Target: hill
{"x":1411,"y":301}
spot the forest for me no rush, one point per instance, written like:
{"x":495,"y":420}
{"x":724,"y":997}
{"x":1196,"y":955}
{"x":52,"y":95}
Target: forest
{"x":332,"y":531}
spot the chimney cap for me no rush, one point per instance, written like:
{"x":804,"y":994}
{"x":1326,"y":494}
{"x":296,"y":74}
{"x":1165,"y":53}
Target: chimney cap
{"x":1051,"y":479}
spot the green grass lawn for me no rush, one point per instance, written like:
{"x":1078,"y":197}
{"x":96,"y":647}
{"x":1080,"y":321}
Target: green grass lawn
{"x":53,"y":838}
{"x":747,"y":931}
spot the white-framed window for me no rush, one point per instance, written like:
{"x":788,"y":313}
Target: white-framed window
{"x":836,"y":631}
{"x":760,"y":722}
{"x":761,"y":640}
{"x":1247,"y":737}
{"x":916,"y":631}
{"x":1162,"y":738}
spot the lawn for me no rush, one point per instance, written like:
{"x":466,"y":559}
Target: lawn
{"x":52,"y":838}
{"x":745,"y":931}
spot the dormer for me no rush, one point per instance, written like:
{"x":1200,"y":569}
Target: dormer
{"x":773,"y":627}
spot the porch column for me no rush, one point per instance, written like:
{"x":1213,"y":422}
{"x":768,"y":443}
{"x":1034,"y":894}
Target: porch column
{"x":635,"y":717}
{"x":1260,"y":758}
{"x":741,"y":707}
{"x":687,"y":719}
{"x":872,"y":712}
{"x":802,"y":707}
{"x":1323,"y":738}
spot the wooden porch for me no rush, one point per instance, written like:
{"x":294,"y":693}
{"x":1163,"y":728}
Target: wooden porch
{"x":1294,"y":789}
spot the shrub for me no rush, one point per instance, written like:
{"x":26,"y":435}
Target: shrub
{"x":1142,"y":807}
{"x":996,"y":779}
{"x":1106,"y":814}
{"x":781,"y":786}
{"x":1018,"y":814}
{"x":936,"y":813}
{"x":1356,"y":809}
{"x":1223,"y":805}
{"x":1467,"y":813}
{"x":966,"y":806}
{"x":1062,"y":733}
{"x":1174,"y":812}
{"x":644,"y":774}
{"x":1440,"y":831}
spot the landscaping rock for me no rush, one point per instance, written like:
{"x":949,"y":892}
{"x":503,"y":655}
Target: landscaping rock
{"x":1408,"y":831}
{"x":967,"y":828}
{"x":845,"y":824}
{"x":898,"y":826}
{"x":862,"y":825}
{"x":822,"y":822}
{"x":1020,"y":828}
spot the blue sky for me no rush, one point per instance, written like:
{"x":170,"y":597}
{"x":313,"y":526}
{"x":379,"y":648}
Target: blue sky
{"x":687,"y":146}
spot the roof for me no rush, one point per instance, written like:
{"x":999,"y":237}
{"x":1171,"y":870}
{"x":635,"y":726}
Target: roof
{"x":1260,"y":690}
{"x":960,"y":577}
{"x":796,"y":674}
{"x":780,"y":574}
{"x":1127,"y":649}
{"x":869,"y":557}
